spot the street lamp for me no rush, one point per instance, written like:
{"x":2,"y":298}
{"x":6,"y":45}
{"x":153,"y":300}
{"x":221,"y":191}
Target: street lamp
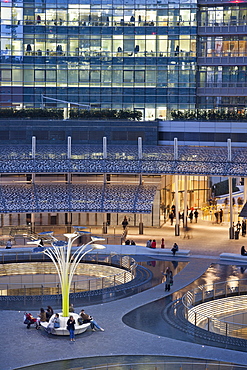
{"x":65,"y":261}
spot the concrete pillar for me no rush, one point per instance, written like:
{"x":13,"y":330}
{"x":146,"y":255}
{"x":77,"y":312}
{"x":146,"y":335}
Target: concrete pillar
{"x":175,"y":149}
{"x":69,"y":157}
{"x":231,"y":228}
{"x":105,"y":156}
{"x":140,"y":156}
{"x":104,"y":223}
{"x":33,"y":180}
{"x":185,"y":200}
{"x":229,"y":150}
{"x":33,"y":155}
{"x":176,"y":206}
{"x":32,"y":222}
{"x":141,"y":225}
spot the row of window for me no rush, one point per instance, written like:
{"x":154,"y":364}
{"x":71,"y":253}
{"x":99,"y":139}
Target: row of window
{"x":219,"y":75}
{"x":235,"y":15}
{"x":59,"y":77}
{"x":223,"y":46}
{"x":61,"y":135}
{"x":203,"y":136}
{"x":140,"y":15}
{"x":140,"y":46}
{"x":214,"y":102}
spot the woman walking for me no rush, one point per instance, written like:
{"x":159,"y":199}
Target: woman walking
{"x":71,"y":328}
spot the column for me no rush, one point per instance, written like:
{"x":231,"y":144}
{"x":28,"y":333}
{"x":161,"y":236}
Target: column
{"x":141,"y":225}
{"x":176,"y":188}
{"x":32,"y":222}
{"x":104,"y":223}
{"x":229,"y":158}
{"x":185,"y":200}
{"x":69,"y":157}
{"x":140,"y":181}
{"x":105,"y":182}
{"x":33,"y":182}
{"x":33,"y":155}
{"x":176,"y":206}
{"x":140,"y":157}
{"x":105,"y":155}
{"x":231,"y":228}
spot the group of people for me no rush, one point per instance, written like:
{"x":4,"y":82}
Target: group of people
{"x":240,"y":227}
{"x":219,"y":216}
{"x":83,"y":319}
{"x":193,"y":214}
{"x":43,"y":316}
{"x":130,"y":242}
{"x":54,"y":320}
{"x":152,"y":244}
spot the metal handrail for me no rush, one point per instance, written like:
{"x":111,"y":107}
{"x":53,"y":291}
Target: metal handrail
{"x":180,"y":365}
{"x":127,"y":263}
{"x":207,"y":293}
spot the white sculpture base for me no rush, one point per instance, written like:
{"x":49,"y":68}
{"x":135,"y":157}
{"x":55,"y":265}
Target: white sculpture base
{"x":63,"y":325}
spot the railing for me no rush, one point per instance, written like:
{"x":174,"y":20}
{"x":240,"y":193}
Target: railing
{"x":127,"y":274}
{"x":166,"y":365}
{"x":208,"y":307}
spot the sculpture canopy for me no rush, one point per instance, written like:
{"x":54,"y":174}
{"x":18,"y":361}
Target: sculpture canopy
{"x":66,"y":261}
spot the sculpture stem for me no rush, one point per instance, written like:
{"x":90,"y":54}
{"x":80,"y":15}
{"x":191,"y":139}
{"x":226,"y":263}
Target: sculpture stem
{"x":65,"y":297}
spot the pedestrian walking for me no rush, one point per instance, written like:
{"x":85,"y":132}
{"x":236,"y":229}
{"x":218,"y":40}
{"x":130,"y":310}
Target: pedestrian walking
{"x":238,"y":226}
{"x":221,"y":215}
{"x":243,"y":227}
{"x":196,"y":214}
{"x":125,"y":222}
{"x":216,"y":217}
{"x":171,"y":217}
{"x":191,"y":216}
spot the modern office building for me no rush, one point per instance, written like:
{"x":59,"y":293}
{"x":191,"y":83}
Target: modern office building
{"x":154,"y":56}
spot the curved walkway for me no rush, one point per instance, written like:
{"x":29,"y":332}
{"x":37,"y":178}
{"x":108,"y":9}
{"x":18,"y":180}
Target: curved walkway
{"x":22,"y":347}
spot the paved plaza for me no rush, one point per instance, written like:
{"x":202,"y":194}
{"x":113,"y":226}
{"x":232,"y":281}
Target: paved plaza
{"x":21,"y":347}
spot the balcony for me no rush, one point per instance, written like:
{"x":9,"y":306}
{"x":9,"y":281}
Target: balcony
{"x":222,"y":89}
{"x":215,"y":2}
{"x":223,"y":59}
{"x":213,"y":28}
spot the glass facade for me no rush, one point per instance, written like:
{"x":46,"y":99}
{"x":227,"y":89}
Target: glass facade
{"x":222,"y":55}
{"x":148,"y":55}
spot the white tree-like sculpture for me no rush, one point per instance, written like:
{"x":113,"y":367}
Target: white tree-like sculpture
{"x":65,"y":261}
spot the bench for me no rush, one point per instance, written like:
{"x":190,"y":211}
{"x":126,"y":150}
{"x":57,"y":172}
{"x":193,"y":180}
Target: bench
{"x":168,"y":252}
{"x":233,"y":257}
{"x":63,"y":325}
{"x":139,"y":249}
